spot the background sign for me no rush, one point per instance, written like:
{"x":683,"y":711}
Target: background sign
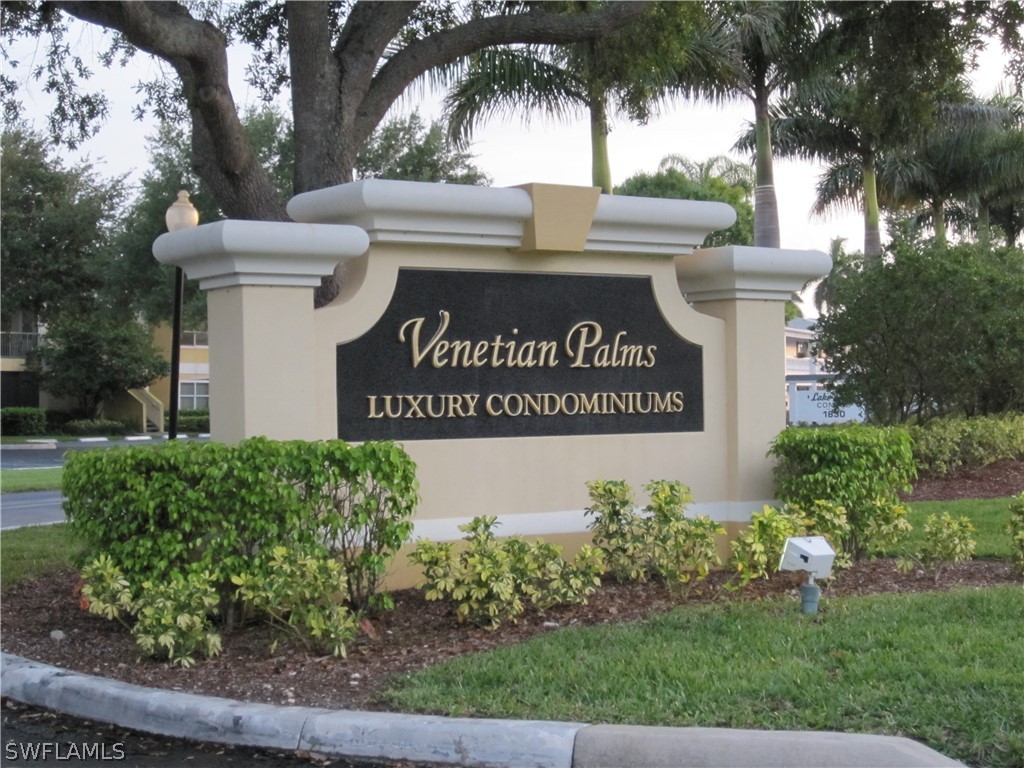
{"x":463,"y":354}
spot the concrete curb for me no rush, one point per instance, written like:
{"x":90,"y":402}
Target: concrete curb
{"x":444,"y":740}
{"x":418,"y":738}
{"x":32,"y":445}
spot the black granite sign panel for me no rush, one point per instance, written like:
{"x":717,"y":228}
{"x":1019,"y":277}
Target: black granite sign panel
{"x":460,"y":354}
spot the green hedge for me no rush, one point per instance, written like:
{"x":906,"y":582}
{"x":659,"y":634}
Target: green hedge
{"x":22,"y":421}
{"x":943,"y":445}
{"x":859,"y":468}
{"x":86,"y":427}
{"x":190,"y":420}
{"x":191,"y":507}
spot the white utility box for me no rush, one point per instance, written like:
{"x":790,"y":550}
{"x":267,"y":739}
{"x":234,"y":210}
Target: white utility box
{"x":808,"y":553}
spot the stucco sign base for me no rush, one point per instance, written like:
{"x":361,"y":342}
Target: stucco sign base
{"x":518,"y":343}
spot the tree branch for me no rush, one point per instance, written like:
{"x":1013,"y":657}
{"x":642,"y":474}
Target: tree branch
{"x":222,"y":154}
{"x":446,"y":46}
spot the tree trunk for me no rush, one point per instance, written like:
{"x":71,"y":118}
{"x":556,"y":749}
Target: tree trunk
{"x":872,"y":232}
{"x":316,"y":98}
{"x":766,"y":205}
{"x":939,"y":221}
{"x":601,"y":170}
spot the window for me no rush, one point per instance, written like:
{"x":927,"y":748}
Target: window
{"x":194,"y":339}
{"x":194,"y":395}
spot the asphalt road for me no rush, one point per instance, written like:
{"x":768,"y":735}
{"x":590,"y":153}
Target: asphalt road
{"x":32,"y":508}
{"x":32,"y":736}
{"x":40,"y":507}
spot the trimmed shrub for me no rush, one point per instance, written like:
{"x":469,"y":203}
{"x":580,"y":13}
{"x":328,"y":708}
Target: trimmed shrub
{"x":943,"y":445}
{"x":859,"y":468}
{"x":22,"y":421}
{"x":92,"y":427}
{"x":195,"y":420}
{"x":205,"y":507}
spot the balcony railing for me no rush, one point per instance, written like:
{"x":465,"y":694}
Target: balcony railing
{"x":17,"y":344}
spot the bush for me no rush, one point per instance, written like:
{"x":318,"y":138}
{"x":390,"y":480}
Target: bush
{"x":929,"y":330}
{"x":22,"y":421}
{"x":491,"y":580}
{"x":172,"y":619}
{"x":943,"y":445}
{"x":947,"y":540}
{"x":756,"y":552}
{"x":660,"y":540}
{"x":190,"y":420}
{"x":1015,"y":529}
{"x":302,"y":594}
{"x":856,"y":467}
{"x":205,"y":507}
{"x":87,"y":427}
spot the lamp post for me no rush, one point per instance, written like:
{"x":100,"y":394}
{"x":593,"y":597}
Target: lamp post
{"x":181,"y":215}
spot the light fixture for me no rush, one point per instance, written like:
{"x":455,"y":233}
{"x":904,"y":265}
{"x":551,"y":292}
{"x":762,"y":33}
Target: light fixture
{"x":814,"y":555}
{"x":181,"y":215}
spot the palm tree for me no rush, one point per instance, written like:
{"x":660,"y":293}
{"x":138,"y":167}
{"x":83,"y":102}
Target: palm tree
{"x":890,"y":64}
{"x":720,"y":166}
{"x":628,"y":73}
{"x":973,"y":158}
{"x":766,"y":44}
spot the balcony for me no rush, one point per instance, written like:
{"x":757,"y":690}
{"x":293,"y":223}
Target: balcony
{"x":17,"y":344}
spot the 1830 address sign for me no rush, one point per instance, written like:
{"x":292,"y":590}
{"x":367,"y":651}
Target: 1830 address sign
{"x":464,"y":354}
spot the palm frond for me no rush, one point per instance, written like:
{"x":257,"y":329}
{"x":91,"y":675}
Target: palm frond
{"x":510,"y":81}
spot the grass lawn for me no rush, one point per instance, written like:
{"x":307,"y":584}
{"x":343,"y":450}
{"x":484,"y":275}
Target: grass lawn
{"x":18,"y":480}
{"x":29,"y":552}
{"x":944,"y":668}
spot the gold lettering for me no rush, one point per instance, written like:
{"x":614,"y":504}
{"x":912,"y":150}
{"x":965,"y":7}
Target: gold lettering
{"x":489,"y":407}
{"x":533,"y":404}
{"x":414,"y":338}
{"x":462,"y":348}
{"x":373,"y":408}
{"x":413,"y":401}
{"x":576,"y":405}
{"x":513,"y":405}
{"x":441,"y":405}
{"x":581,"y":337}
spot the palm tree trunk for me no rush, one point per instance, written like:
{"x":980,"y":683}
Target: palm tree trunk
{"x":872,"y":233}
{"x":939,"y":221}
{"x":766,"y":205}
{"x":601,"y":169}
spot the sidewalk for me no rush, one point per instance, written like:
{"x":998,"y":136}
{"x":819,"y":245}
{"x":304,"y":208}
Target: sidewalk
{"x":444,"y":740}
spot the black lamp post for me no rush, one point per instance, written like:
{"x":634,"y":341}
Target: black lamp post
{"x":181,"y":215}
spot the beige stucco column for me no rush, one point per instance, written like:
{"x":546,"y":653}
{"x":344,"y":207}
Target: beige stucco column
{"x":748,"y":288}
{"x":260,"y":277}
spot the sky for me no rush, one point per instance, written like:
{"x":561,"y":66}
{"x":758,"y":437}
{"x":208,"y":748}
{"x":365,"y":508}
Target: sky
{"x":508,"y":151}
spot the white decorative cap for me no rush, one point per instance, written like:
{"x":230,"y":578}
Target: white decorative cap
{"x":455,"y":214}
{"x":228,"y":253}
{"x":748,"y":272}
